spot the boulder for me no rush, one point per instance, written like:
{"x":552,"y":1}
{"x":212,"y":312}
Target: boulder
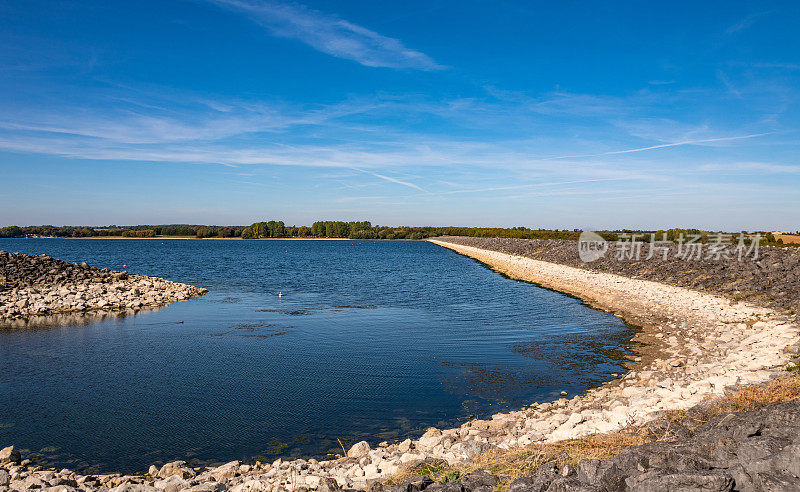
{"x":359,"y":450}
{"x":178,"y":468}
{"x":538,"y":482}
{"x":404,"y":446}
{"x":10,"y":454}
{"x":479,"y":481}
{"x":172,"y":484}
{"x":430,"y":439}
{"x":413,"y":484}
{"x":602,"y":473}
{"x":228,"y":470}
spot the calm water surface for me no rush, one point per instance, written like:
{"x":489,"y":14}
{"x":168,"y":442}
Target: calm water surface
{"x":372,"y":340}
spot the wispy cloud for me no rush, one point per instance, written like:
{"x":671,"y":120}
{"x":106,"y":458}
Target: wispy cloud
{"x":482,"y":147}
{"x":332,"y":35}
{"x":750,"y":168}
{"x":745,"y":23}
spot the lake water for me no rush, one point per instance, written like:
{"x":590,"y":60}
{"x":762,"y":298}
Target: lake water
{"x":371,"y":340}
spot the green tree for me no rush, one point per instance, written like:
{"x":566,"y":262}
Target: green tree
{"x":276,"y":228}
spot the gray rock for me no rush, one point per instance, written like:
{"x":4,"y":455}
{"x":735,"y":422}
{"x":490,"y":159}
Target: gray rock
{"x":207,"y":487}
{"x":776,"y":481}
{"x":539,"y":482}
{"x":328,"y":485}
{"x":712,"y":481}
{"x":413,"y":484}
{"x":375,"y":487}
{"x":603,"y":473}
{"x":446,"y":487}
{"x":571,"y":484}
{"x":480,"y":481}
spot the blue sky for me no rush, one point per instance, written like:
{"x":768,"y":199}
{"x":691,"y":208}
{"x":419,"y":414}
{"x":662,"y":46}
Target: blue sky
{"x":544,"y":114}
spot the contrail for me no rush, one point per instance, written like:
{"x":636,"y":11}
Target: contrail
{"x":530,"y":185}
{"x":687,"y":142}
{"x":393,"y":180}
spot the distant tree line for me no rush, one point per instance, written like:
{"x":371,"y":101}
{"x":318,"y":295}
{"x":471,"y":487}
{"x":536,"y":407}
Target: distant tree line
{"x":354,"y":230}
{"x":185,"y":230}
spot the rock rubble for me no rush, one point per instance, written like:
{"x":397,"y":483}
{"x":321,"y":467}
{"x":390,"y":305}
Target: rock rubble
{"x":40,"y":286}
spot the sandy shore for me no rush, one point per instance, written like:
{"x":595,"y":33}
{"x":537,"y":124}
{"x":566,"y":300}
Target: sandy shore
{"x":695,"y":346}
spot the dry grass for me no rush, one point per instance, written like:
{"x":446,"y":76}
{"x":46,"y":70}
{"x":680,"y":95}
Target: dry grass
{"x":760,"y":395}
{"x":513,"y":463}
{"x":751,"y":397}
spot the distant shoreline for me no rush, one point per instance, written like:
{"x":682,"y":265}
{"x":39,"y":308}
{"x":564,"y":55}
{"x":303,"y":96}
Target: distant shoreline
{"x":211,"y":238}
{"x":221,"y":238}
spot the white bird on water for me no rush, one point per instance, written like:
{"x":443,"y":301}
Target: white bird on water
{"x":280,"y":294}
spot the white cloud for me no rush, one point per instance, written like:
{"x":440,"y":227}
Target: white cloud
{"x":331,"y":35}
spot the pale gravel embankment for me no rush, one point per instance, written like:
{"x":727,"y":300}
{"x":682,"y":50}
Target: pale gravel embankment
{"x":694,"y":344}
{"x":697,"y":344}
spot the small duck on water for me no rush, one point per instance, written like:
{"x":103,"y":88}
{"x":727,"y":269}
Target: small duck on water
{"x":280,"y":294}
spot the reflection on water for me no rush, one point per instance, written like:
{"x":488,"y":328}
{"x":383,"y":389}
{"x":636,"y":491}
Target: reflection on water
{"x":370,"y":340}
{"x":71,"y":319}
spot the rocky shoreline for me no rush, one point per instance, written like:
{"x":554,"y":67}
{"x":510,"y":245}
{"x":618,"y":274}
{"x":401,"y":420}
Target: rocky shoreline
{"x":39,"y":286}
{"x":692,"y":346}
{"x":771,"y":279}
